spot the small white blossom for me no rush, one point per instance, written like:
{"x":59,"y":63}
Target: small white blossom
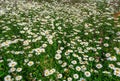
{"x":59,"y":75}
{"x":75,"y":76}
{"x":99,"y":66}
{"x":30,"y":63}
{"x":17,"y":78}
{"x":7,"y":78}
{"x":87,"y":74}
{"x":12,"y":64}
{"x":58,"y":56}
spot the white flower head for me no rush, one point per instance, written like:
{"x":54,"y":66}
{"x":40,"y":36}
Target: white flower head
{"x":69,"y":79}
{"x":12,"y":69}
{"x":12,"y":64}
{"x":74,"y":62}
{"x":30,"y":63}
{"x":7,"y":78}
{"x":44,"y":45}
{"x":59,"y":75}
{"x":87,"y":74}
{"x":82,"y":79}
{"x":75,"y":76}
{"x":118,"y":63}
{"x":19,"y":69}
{"x":78,"y":68}
{"x":99,"y":66}
{"x":91,"y":59}
{"x":46,"y":72}
{"x":64,"y":64}
{"x":52,"y":71}
{"x":58,"y":56}
{"x":106,"y":44}
{"x":107,"y":54}
{"x":59,"y":51}
{"x":18,"y":77}
{"x":111,"y":66}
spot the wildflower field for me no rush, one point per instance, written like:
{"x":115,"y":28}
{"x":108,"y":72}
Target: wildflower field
{"x":41,"y":41}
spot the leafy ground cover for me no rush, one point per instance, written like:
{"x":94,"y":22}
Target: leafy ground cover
{"x":58,"y":42}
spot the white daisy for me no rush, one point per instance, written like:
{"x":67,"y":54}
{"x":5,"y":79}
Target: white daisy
{"x":18,"y":77}
{"x":52,"y":71}
{"x":75,"y":76}
{"x":106,"y":44}
{"x":69,"y":79}
{"x":30,"y":63}
{"x":99,"y":66}
{"x":64,"y":64}
{"x":12,"y":64}
{"x":46,"y":73}
{"x":58,"y":56}
{"x":7,"y":78}
{"x":91,"y":58}
{"x":44,"y":45}
{"x":19,"y":69}
{"x":87,"y":74}
{"x":82,"y":79}
{"x":74,"y":62}
{"x":107,"y":54}
{"x":118,"y":63}
{"x":59,"y":75}
{"x":59,"y":51}
{"x":112,"y":66}
{"x":12,"y":69}
{"x":78,"y":68}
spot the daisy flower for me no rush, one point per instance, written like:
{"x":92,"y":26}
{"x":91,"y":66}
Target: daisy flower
{"x":59,"y":75}
{"x":82,"y":79}
{"x":12,"y":64}
{"x":17,"y":78}
{"x":58,"y":56}
{"x":30,"y":63}
{"x":75,"y":76}
{"x":99,"y":66}
{"x":87,"y":73}
{"x":7,"y":78}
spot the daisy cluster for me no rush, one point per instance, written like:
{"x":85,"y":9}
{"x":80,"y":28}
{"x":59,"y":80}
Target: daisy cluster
{"x":58,"y":42}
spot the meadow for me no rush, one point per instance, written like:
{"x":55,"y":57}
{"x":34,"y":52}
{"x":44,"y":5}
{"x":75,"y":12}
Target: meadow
{"x":58,"y":42}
